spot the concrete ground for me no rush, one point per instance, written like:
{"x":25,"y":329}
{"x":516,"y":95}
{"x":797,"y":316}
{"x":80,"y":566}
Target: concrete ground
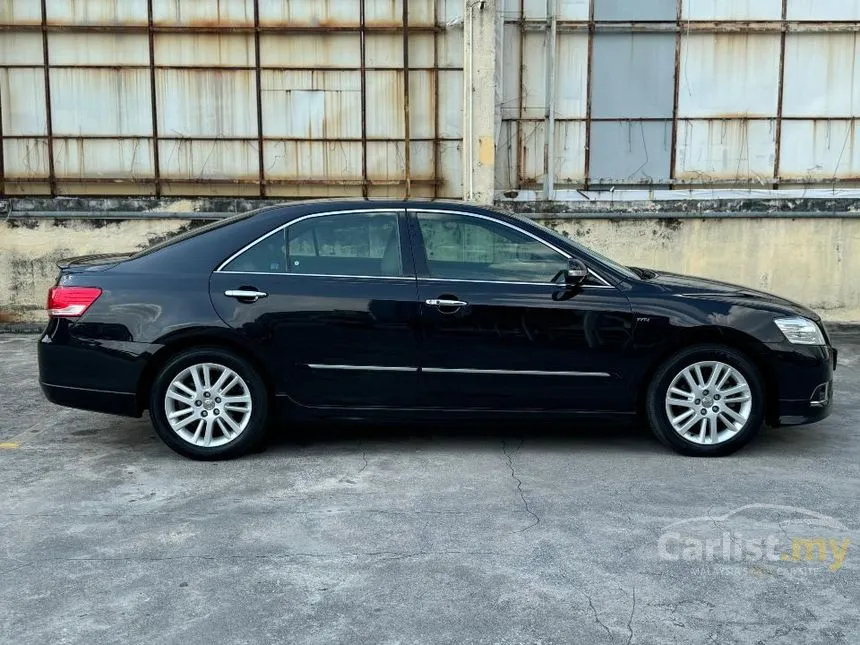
{"x":416,"y":535}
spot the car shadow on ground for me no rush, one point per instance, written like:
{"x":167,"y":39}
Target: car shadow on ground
{"x":580,"y":437}
{"x":453,"y":432}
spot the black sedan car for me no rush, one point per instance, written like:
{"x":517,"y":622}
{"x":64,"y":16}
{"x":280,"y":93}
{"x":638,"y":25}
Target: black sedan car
{"x":367,"y":309}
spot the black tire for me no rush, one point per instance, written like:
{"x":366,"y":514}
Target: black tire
{"x":250,"y":437}
{"x":655,"y":403}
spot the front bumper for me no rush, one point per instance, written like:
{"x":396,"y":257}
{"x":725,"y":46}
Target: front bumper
{"x":803,"y":379}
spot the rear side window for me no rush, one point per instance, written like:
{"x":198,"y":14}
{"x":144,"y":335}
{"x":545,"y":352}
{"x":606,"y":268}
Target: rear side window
{"x":347,"y":244}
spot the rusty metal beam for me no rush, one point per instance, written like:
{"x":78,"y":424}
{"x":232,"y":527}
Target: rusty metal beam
{"x":435,"y":100}
{"x":232,"y":68}
{"x":2,"y":149}
{"x":407,"y":145}
{"x":520,"y":148}
{"x":739,"y":182}
{"x":679,"y":8}
{"x":153,"y":85}
{"x":298,"y":181}
{"x":777,"y":154}
{"x":259,"y":75}
{"x":699,"y":26}
{"x":589,"y":71}
{"x":363,"y":79}
{"x":657,"y":119}
{"x":757,"y":26}
{"x":394,"y":28}
{"x":113,"y":137}
{"x":549,"y":131}
{"x":49,"y":127}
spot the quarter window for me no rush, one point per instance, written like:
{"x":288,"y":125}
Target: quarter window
{"x":469,"y":248}
{"x":351,"y":244}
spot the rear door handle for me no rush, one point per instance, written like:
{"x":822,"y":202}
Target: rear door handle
{"x":249,"y":295}
{"x":442,"y":302}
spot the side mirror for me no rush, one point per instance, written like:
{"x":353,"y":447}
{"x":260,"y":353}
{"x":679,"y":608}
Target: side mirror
{"x":576,"y":273}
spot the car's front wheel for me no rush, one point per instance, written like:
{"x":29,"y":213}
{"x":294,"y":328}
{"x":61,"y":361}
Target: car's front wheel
{"x":706,"y":401}
{"x":209,"y":403}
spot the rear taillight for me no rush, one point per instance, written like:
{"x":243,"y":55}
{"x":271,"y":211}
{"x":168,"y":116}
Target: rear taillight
{"x":71,"y":302}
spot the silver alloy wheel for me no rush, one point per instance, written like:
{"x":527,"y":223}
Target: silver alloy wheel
{"x":208,"y":405}
{"x":708,"y":402}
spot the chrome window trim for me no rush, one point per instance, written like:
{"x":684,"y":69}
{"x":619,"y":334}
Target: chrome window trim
{"x":282,"y":227}
{"x":564,"y":254}
{"x":530,"y":284}
{"x":411,"y":278}
{"x":220,"y":269}
{"x":466,"y":370}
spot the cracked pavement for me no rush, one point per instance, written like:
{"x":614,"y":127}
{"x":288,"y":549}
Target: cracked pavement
{"x":519,"y":533}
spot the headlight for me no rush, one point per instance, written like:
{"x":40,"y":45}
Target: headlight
{"x":800,"y":331}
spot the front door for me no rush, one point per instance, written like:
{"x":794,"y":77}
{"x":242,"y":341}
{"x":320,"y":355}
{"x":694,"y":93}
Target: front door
{"x":497,"y":333}
{"x":339,"y":319}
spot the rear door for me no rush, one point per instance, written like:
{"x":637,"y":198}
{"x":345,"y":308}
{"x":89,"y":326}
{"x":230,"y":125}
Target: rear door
{"x":330,"y":300}
{"x":499,"y":334}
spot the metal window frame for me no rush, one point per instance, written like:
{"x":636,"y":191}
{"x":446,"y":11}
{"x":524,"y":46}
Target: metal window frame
{"x":408,"y":210}
{"x":283,"y":227}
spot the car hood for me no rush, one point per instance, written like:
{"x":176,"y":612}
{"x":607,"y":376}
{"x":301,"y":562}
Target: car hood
{"x":694,"y":287}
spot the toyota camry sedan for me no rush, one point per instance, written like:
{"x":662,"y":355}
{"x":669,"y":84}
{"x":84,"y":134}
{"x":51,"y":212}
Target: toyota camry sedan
{"x":397,"y":309}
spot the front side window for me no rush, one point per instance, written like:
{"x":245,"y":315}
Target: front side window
{"x":470,"y":248}
{"x":348,"y":244}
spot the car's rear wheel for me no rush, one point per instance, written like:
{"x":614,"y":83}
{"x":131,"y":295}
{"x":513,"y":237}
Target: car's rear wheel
{"x":209,"y":403}
{"x":706,"y":401}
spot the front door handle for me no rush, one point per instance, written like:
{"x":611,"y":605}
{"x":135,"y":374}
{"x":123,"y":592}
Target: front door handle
{"x":442,"y":302}
{"x":245,"y":295}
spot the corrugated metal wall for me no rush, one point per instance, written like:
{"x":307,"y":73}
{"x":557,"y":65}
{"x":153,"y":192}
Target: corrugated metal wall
{"x":232,"y":97}
{"x":335,"y":97}
{"x":679,"y":93}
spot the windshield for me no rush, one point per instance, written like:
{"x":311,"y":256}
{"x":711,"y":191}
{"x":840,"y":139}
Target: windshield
{"x":612,"y":264}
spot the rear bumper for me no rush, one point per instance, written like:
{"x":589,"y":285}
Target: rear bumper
{"x":91,"y":374}
{"x":121,"y":403}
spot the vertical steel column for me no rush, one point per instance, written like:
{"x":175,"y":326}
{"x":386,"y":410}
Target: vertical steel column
{"x":2,"y":149}
{"x":435,"y":105}
{"x":156,"y":166}
{"x":259,"y":73}
{"x":49,"y":126}
{"x":589,"y":81}
{"x":362,"y":34}
{"x":407,"y":145}
{"x":549,"y":134}
{"x":521,"y":153}
{"x":777,"y":155}
{"x":679,"y":18}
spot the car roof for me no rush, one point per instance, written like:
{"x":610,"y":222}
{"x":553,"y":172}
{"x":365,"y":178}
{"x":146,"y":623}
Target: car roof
{"x":343,"y":203}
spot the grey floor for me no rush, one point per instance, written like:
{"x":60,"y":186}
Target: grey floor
{"x":421,"y":535}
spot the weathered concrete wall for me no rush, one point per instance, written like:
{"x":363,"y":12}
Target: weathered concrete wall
{"x":815,"y":261}
{"x":29,"y":250}
{"x":812,"y":261}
